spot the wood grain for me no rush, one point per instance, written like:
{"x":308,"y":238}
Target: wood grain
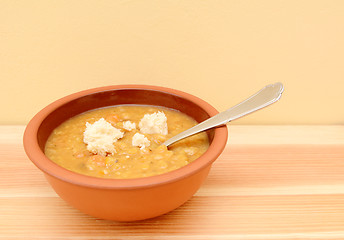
{"x":266,"y":185}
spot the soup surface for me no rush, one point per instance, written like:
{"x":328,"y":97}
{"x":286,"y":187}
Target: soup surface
{"x":130,"y":157}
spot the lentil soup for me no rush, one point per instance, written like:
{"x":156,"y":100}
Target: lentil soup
{"x":66,"y":145}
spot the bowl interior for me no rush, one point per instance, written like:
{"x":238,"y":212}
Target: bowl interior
{"x":118,"y":97}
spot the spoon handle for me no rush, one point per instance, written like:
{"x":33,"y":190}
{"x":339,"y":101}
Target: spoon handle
{"x":264,"y":97}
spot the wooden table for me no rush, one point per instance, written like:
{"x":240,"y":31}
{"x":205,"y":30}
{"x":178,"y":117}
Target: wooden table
{"x":271,"y":182}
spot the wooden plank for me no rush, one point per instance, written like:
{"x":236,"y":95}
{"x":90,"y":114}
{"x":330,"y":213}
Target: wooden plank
{"x":226,"y":216}
{"x":286,"y":134}
{"x":272,"y":189}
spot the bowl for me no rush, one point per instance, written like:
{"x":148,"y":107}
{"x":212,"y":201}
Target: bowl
{"x":123,"y":199}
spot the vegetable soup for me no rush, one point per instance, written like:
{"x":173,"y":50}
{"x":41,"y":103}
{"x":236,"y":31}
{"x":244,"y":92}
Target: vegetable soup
{"x":124,"y":142}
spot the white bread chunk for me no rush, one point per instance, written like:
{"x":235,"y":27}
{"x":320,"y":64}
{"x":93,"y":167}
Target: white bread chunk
{"x":155,"y":123}
{"x":127,"y":125}
{"x":100,"y":137}
{"x":139,"y":140}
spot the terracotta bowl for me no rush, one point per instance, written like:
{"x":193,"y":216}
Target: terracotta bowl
{"x":123,"y":199}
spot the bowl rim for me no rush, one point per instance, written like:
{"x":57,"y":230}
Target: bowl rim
{"x":37,"y":156}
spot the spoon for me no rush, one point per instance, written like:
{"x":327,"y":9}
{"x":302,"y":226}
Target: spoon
{"x":263,"y":98}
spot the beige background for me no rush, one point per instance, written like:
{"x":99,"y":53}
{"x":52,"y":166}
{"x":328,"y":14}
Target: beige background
{"x":221,"y":51}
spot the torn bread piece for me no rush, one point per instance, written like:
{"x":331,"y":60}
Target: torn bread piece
{"x":100,"y":137}
{"x":155,"y":123}
{"x":128,"y":125}
{"x":139,"y":140}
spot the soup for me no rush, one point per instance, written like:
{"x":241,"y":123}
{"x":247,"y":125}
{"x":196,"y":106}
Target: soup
{"x":124,"y":142}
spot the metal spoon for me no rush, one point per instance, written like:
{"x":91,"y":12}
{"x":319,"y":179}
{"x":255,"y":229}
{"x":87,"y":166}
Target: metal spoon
{"x":264,"y":97}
